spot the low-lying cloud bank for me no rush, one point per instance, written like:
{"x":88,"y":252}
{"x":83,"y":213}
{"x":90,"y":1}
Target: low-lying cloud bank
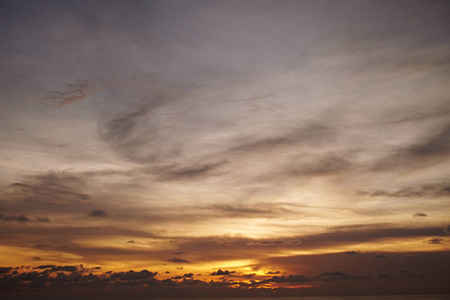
{"x":74,"y":281}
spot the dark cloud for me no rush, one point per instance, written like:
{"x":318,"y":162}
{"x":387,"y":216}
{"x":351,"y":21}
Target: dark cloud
{"x":178,"y":253}
{"x":431,"y":150}
{"x":320,"y":166}
{"x":273,"y":272}
{"x":132,"y":275}
{"x":76,"y":91}
{"x":188,"y":172}
{"x":119,"y":131}
{"x":341,"y":237}
{"x":240,"y":210}
{"x":435,"y":144}
{"x":339,"y":275}
{"x":380,"y":256}
{"x":419,"y":215}
{"x":437,"y":190}
{"x":221,"y":272}
{"x":131,"y":132}
{"x":4,"y":270}
{"x":312,"y":133}
{"x":351,"y":252}
{"x":97,"y":213}
{"x":177,"y":260}
{"x":23,"y":219}
{"x":290,"y":279}
{"x":53,"y":187}
{"x":384,"y":275}
{"x":447,"y":229}
{"x":436,"y":241}
{"x":45,"y":266}
{"x":420,"y":275}
{"x":188,"y":275}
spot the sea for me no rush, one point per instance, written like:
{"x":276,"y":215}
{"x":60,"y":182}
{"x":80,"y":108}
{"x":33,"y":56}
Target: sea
{"x":384,"y":297}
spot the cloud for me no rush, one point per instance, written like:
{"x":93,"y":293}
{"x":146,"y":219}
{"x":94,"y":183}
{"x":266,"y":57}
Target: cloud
{"x":447,"y":229}
{"x":23,"y":219}
{"x":221,"y":273}
{"x":273,"y":272}
{"x":431,"y":149}
{"x":419,"y":215}
{"x":132,"y":275}
{"x":290,"y":279}
{"x":192,"y":172}
{"x":436,"y":145}
{"x":384,"y":275}
{"x":380,"y":256}
{"x":20,"y":219}
{"x":312,"y":133}
{"x":187,"y":275}
{"x":97,"y":213}
{"x":351,"y":252}
{"x":177,"y":260}
{"x":436,"y":190}
{"x":435,"y":241}
{"x":76,"y":91}
{"x":4,"y":270}
{"x":53,"y":187}
{"x":241,"y":210}
{"x":339,"y":275}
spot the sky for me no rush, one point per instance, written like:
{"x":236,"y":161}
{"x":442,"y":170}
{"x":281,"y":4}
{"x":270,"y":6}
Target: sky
{"x":242,"y":147}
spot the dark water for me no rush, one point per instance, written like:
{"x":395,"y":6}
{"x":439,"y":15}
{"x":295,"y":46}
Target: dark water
{"x":393,"y":297}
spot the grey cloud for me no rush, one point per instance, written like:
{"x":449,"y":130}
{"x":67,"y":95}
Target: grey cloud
{"x":97,"y":213}
{"x":4,"y":270}
{"x":310,"y":134}
{"x":380,"y":256}
{"x":53,"y":187}
{"x":135,"y":133}
{"x":221,"y":272}
{"x":447,"y":229}
{"x":23,"y":219}
{"x":191,"y":172}
{"x":431,"y":190}
{"x":76,"y":91}
{"x":420,"y":215}
{"x":339,"y":237}
{"x":177,"y":260}
{"x":430,"y":150}
{"x":187,"y":275}
{"x":339,"y":275}
{"x":320,"y":166}
{"x":351,"y":252}
{"x":286,"y":279}
{"x":241,"y":210}
{"x":436,"y":145}
{"x":436,"y":241}
{"x":384,"y":275}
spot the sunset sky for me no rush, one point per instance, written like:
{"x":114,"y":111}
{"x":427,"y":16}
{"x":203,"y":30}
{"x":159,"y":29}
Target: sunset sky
{"x":297,"y":144}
